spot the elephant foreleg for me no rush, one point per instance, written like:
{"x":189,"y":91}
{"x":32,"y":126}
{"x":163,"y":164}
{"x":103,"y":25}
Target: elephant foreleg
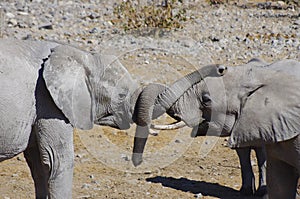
{"x":55,"y":141}
{"x":38,"y":170}
{"x":262,"y":164}
{"x":54,"y":137}
{"x":248,"y":181}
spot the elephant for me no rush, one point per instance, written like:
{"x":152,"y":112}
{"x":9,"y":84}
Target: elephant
{"x":47,"y":90}
{"x":247,"y":103}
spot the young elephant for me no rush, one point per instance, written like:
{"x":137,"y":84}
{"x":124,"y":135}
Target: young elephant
{"x":47,"y":89}
{"x":253,"y":104}
{"x":188,"y":112}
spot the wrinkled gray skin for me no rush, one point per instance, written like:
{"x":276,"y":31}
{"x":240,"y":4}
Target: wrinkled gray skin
{"x":47,"y":89}
{"x":191,"y":114}
{"x":263,"y":108}
{"x":259,"y":106}
{"x":156,"y":99}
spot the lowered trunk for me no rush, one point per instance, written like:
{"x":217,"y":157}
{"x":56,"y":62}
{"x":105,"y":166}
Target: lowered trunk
{"x":155,"y":100}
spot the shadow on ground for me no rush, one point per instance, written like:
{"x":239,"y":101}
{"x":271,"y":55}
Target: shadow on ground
{"x":195,"y":187}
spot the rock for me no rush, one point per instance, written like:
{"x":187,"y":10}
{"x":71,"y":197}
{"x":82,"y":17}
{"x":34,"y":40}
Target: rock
{"x":94,"y":30}
{"x":188,"y":43}
{"x":297,"y":22}
{"x":85,"y":186}
{"x":214,"y":38}
{"x":12,"y":22}
{"x":10,"y":15}
{"x":48,"y":26}
{"x":23,"y":13}
{"x":198,"y":195}
{"x":125,"y":157}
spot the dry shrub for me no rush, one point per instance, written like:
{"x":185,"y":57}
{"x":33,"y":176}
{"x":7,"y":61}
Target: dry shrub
{"x":213,"y":2}
{"x":167,"y":15}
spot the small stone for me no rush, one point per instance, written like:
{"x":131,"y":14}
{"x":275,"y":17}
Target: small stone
{"x":125,"y":157}
{"x":23,"y":13}
{"x":78,"y":155}
{"x":46,"y":26}
{"x":188,"y":43}
{"x":85,"y":186}
{"x":12,"y":22}
{"x":178,"y":141}
{"x":94,"y":30}
{"x":10,"y":15}
{"x":214,"y":38}
{"x":198,"y":195}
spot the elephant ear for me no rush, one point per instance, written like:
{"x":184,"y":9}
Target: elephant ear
{"x":66,"y":73}
{"x":270,"y":112}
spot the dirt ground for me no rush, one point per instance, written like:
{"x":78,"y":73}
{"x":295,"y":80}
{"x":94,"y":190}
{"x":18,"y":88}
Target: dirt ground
{"x":217,"y":175}
{"x":175,"y":165}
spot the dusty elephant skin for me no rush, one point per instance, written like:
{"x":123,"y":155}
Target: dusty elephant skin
{"x":150,"y":109}
{"x":47,"y":89}
{"x":185,"y":110}
{"x":259,"y":106}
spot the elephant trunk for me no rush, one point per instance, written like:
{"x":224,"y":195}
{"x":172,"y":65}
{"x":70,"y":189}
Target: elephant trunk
{"x":155,"y":100}
{"x":142,"y":116}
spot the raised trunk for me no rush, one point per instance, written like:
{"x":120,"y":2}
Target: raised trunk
{"x":156,"y":100}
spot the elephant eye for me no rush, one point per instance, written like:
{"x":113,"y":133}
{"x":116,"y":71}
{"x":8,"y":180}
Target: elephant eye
{"x":122,"y":95}
{"x":206,"y":99}
{"x":222,"y":70}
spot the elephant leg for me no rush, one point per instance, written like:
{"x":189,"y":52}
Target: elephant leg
{"x":282,"y":179}
{"x":55,"y":141}
{"x":38,"y":170}
{"x":248,"y":181}
{"x":262,"y":164}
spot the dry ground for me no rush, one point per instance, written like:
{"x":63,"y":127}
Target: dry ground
{"x":175,"y":166}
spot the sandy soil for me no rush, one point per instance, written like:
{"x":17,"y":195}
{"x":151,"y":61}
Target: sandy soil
{"x":175,"y":166}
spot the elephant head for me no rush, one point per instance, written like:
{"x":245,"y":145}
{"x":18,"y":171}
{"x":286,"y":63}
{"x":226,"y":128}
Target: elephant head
{"x":156,"y":99}
{"x":254,"y":104}
{"x":90,"y":88}
{"x":261,"y":104}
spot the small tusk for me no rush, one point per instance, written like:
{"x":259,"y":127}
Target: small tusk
{"x":152,"y":132}
{"x":174,"y":126}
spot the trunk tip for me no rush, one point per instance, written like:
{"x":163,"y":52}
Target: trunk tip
{"x":137,"y":159}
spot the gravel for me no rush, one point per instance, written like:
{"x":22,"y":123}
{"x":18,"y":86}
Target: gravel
{"x":229,"y":34}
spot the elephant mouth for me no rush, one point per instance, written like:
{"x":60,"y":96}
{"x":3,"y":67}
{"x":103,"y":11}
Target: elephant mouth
{"x":108,"y":121}
{"x":208,"y":128}
{"x":201,"y":129}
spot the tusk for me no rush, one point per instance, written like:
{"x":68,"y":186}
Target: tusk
{"x":152,"y":132}
{"x":174,"y":126}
